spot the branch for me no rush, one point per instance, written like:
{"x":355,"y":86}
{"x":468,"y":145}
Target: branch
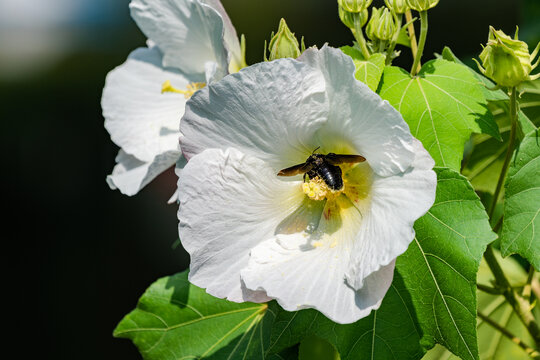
{"x":530,"y":351}
{"x":520,"y":305}
{"x":412,"y":35}
{"x":489,"y":289}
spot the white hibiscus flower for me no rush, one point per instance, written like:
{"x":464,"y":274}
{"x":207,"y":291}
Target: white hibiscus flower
{"x":254,"y":236}
{"x":192,"y":42}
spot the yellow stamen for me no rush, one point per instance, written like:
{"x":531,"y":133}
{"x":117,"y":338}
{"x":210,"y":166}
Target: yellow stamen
{"x":316,"y":189}
{"x":190,"y":88}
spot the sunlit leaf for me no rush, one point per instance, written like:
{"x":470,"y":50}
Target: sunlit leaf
{"x":484,"y":165}
{"x":177,"y":320}
{"x":443,"y":105}
{"x":367,"y":71}
{"x":439,"y":268}
{"x":490,"y":95}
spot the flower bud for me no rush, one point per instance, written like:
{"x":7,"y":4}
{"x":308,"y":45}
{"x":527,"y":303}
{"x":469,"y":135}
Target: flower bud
{"x":283,"y":44}
{"x":398,"y":6}
{"x":385,"y":28}
{"x":347,"y":18}
{"x":505,"y":60}
{"x":373,"y":23}
{"x":381,"y":26}
{"x":354,"y":6}
{"x":422,"y":5}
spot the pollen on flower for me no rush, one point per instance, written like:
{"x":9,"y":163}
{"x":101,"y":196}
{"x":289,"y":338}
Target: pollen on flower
{"x":190,"y":88}
{"x":316,"y":189}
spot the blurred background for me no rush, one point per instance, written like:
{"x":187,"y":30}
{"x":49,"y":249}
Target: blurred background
{"x":87,"y":253}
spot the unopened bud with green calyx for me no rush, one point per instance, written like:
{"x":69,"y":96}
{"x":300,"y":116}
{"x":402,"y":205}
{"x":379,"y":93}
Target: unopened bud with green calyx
{"x":373,"y":23}
{"x":397,"y":6}
{"x":422,"y":5}
{"x":386,"y":27}
{"x":381,"y":26}
{"x":507,"y":61}
{"x":347,"y":18}
{"x":354,"y":6}
{"x":283,"y":44}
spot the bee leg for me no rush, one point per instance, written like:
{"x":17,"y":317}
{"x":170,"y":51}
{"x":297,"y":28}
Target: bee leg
{"x":305,"y":177}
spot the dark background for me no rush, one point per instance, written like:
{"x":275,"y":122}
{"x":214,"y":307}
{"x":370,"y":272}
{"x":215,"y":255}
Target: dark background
{"x":86,"y":253}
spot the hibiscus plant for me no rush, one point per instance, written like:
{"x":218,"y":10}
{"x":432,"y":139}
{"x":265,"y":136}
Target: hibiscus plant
{"x":333,"y":205}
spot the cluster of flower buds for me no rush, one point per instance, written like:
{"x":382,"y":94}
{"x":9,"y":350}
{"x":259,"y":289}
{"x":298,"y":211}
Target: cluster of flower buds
{"x":422,"y":5}
{"x":397,"y":6}
{"x":381,"y":26}
{"x":283,"y":44}
{"x":507,"y":61}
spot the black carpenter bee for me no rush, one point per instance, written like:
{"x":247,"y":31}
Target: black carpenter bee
{"x":323,"y":166}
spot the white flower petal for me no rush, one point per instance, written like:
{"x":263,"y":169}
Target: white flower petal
{"x":268,"y":110}
{"x":180,"y":164}
{"x":188,"y":32}
{"x":141,"y":120}
{"x":359,"y":117}
{"x":387,"y":228}
{"x":229,"y":202}
{"x":250,"y":231}
{"x":210,"y":71}
{"x":130,"y":174}
{"x":301,"y":276}
{"x":232,"y":44}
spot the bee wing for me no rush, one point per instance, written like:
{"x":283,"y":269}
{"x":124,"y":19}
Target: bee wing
{"x":336,"y":159}
{"x":295,"y":170}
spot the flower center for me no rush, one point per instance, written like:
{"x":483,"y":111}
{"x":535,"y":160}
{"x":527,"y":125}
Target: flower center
{"x":317,"y":189}
{"x":190,"y":88}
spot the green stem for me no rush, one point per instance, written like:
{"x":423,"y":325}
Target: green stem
{"x":498,"y":225}
{"x":394,"y":40}
{"x":535,"y":286}
{"x":530,"y":351}
{"x":422,"y":42}
{"x":488,"y":289}
{"x":526,"y":293}
{"x":520,"y":305}
{"x":509,"y":151}
{"x":359,"y":36}
{"x":382,"y":45}
{"x":412,"y":35}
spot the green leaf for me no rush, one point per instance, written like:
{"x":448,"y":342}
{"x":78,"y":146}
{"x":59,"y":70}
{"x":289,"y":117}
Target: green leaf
{"x":439,"y":267}
{"x":529,"y":100}
{"x":403,"y":38}
{"x":177,"y":320}
{"x":391,"y":332}
{"x":484,"y":165}
{"x":492,"y":344}
{"x":521,"y":223}
{"x":367,"y":71}
{"x":443,"y":105}
{"x":486,"y":84}
{"x":287,"y":354}
{"x":315,"y":348}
